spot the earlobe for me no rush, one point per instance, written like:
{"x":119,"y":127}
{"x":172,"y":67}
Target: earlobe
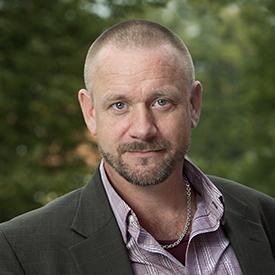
{"x":88,"y":110}
{"x":196,"y":100}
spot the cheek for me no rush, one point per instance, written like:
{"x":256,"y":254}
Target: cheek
{"x":114,"y":126}
{"x":176,"y":129}
{"x":109,"y":134}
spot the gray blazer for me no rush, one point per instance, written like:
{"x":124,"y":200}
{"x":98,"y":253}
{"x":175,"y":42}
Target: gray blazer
{"x":78,"y":234}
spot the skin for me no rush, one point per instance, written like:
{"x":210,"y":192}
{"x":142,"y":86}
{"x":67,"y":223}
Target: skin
{"x":142,"y":97}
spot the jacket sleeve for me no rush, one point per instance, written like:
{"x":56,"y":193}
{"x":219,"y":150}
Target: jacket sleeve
{"x":9,"y":264}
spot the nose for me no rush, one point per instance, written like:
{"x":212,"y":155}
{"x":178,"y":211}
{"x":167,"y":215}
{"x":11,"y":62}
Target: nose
{"x":142,"y":124}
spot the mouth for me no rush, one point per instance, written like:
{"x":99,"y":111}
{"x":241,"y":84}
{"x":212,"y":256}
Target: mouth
{"x":144,"y":153}
{"x":143,"y":149}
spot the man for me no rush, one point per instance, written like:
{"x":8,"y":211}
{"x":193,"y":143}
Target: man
{"x":148,"y":209}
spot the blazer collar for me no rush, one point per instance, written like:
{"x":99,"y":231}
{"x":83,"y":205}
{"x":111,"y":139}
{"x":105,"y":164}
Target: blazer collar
{"x":247,"y":237}
{"x":101,"y":249}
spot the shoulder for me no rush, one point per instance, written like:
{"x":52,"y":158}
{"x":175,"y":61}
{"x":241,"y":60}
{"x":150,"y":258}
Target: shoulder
{"x":260,"y":208}
{"x":50,"y":218}
{"x":44,"y":238}
{"x":241,"y":192}
{"x":41,"y":234}
{"x":57,"y":215}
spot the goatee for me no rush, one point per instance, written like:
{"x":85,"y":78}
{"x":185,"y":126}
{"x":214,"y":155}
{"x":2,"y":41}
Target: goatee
{"x":144,"y":173}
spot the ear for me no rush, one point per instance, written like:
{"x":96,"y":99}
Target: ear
{"x":196,"y":100}
{"x":88,"y":110}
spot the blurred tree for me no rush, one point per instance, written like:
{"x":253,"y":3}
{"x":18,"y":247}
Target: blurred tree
{"x":45,"y":150}
{"x":231,"y":42}
{"x":44,"y":146}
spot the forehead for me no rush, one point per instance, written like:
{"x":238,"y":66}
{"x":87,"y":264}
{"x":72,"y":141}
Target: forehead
{"x":112,"y":64}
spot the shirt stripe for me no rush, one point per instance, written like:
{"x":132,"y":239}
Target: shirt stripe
{"x":208,"y":250}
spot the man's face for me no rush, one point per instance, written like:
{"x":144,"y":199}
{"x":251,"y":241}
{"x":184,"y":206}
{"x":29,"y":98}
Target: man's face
{"x":141,"y":112}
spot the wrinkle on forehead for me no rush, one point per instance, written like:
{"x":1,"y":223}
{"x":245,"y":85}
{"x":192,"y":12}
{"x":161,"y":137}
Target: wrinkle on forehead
{"x":141,"y":81}
{"x":134,"y":76}
{"x":163,"y":59}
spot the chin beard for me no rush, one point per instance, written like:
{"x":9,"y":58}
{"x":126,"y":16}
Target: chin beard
{"x":145,"y":174}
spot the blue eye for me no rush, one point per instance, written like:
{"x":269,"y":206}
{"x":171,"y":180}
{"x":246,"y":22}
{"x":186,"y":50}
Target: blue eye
{"x":119,"y":106}
{"x":162,"y":102}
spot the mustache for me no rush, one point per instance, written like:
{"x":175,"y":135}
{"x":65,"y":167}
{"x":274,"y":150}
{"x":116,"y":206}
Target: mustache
{"x":144,"y":146}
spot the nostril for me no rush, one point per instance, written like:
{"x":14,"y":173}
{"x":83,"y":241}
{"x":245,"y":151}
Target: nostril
{"x":143,"y":131}
{"x":142,"y":124}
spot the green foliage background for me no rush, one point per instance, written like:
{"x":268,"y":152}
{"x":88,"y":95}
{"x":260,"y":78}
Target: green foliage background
{"x":43,"y":46}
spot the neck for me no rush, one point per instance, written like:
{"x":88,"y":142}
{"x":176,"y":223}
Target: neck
{"x":156,"y":206}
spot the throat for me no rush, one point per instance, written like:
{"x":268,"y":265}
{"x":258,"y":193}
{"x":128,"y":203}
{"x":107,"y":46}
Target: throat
{"x":171,"y":225}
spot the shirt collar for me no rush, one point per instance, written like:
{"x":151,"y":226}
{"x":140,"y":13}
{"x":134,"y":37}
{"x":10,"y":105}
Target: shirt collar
{"x":120,"y":208}
{"x":209,"y":196}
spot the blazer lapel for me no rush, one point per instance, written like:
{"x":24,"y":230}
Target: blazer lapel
{"x":247,"y":238}
{"x":101,"y":249}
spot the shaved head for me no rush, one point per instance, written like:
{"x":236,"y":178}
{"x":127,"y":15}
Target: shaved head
{"x":141,"y":102}
{"x":139,"y":34}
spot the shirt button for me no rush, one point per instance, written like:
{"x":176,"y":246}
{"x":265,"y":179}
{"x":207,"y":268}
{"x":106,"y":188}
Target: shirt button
{"x":131,"y":218}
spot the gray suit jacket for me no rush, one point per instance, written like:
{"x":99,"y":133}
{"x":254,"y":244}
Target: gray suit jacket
{"x":77,"y":234}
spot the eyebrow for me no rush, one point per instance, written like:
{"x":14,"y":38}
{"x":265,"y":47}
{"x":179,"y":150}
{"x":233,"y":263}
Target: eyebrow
{"x":173,"y":94}
{"x":110,"y":98}
{"x":166,"y":92}
{"x":114,"y":97}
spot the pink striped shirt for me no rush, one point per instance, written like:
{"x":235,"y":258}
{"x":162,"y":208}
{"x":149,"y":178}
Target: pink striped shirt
{"x":208,"y":250}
